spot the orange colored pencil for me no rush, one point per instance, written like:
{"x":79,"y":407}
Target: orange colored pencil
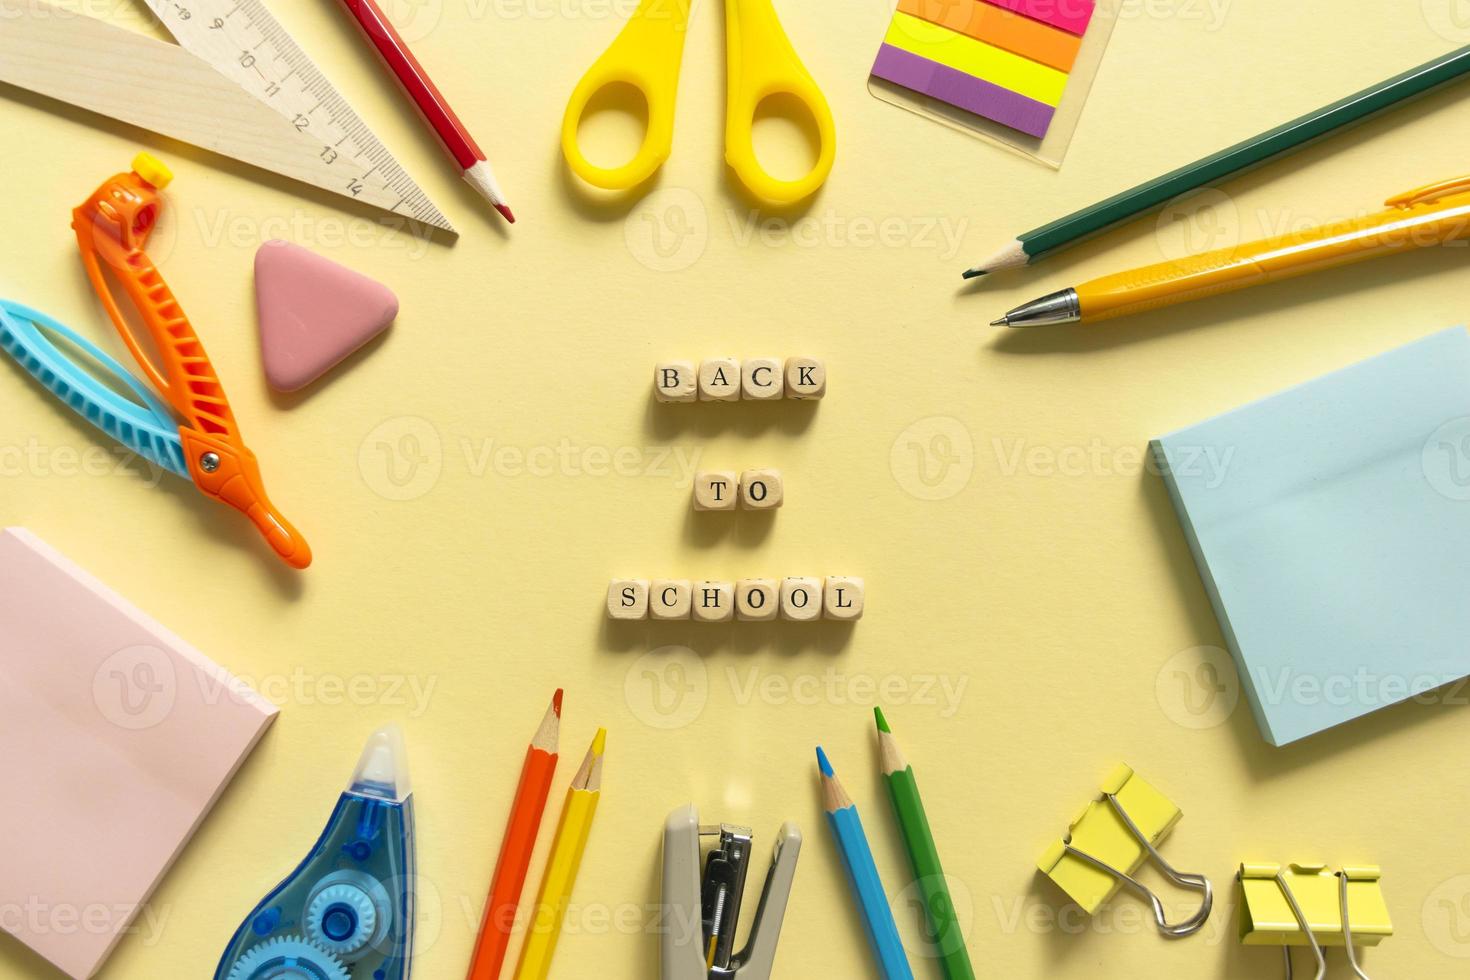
{"x":515,"y":851}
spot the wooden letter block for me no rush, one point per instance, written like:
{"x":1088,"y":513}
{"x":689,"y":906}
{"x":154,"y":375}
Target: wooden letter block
{"x":762,"y":489}
{"x":757,"y":599}
{"x":669,"y":598}
{"x":716,"y":490}
{"x":806,"y":378}
{"x":801,"y":599}
{"x":762,"y":380}
{"x":675,"y":381}
{"x":719,"y":380}
{"x":844,"y":598}
{"x":714,"y":602}
{"x":627,"y":598}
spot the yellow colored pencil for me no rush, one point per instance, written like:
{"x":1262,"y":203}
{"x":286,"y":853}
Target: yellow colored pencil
{"x":562,"y":866}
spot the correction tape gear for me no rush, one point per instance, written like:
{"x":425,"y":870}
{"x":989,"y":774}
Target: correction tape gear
{"x":353,"y":894}
{"x":288,"y":958}
{"x":342,"y":918}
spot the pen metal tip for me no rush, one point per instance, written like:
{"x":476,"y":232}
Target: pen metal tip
{"x":1002,"y":322}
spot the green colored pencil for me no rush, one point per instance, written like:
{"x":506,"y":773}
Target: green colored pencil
{"x":1038,"y":243}
{"x":903,"y":789}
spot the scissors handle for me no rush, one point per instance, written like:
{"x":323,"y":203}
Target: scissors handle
{"x":762,"y":64}
{"x":646,"y":56}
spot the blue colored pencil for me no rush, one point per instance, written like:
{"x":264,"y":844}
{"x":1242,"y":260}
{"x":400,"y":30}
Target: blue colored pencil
{"x":862,"y":875}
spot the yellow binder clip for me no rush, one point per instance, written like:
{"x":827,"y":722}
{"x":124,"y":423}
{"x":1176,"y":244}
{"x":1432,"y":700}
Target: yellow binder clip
{"x":1110,"y":841}
{"x":1308,"y":905}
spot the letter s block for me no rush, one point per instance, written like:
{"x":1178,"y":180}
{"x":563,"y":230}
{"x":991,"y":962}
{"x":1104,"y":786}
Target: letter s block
{"x":627,"y":598}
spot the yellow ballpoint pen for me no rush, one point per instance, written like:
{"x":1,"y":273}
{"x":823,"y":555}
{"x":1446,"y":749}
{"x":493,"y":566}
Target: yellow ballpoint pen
{"x":562,"y":866}
{"x":1422,"y":218}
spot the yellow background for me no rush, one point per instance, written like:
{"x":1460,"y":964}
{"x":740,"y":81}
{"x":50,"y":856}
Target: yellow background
{"x":1060,"y":595}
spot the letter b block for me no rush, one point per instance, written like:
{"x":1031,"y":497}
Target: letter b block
{"x":675,"y":381}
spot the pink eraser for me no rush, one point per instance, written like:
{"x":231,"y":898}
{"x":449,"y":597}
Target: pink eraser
{"x":313,"y":313}
{"x":117,"y":736}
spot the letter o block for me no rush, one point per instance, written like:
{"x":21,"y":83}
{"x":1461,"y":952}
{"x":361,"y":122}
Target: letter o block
{"x":762,"y":489}
{"x":757,"y":600}
{"x":801,"y":599}
{"x":627,"y":598}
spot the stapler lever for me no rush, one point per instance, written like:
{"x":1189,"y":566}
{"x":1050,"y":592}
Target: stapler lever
{"x":703,"y":908}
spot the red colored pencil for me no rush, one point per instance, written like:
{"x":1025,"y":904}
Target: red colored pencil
{"x":515,"y":850}
{"x":431,"y":103}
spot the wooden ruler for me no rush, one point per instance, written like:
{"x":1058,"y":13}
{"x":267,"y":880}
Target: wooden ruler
{"x":236,"y":84}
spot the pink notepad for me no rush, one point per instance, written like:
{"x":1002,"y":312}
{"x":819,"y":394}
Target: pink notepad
{"x":117,"y":738}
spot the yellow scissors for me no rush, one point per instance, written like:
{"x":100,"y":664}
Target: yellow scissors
{"x":761,"y":63}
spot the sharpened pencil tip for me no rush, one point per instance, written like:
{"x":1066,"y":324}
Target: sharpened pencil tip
{"x":506,"y":213}
{"x":599,"y":744}
{"x":882,"y":722}
{"x":973,"y":273}
{"x":824,"y":764}
{"x":556,"y":702}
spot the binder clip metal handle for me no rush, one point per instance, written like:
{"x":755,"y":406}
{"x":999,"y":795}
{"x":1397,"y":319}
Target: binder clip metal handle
{"x":1194,"y":882}
{"x":702,"y":906}
{"x":1301,"y":918}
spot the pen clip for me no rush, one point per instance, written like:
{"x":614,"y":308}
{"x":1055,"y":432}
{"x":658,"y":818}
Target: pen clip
{"x":1430,"y":193}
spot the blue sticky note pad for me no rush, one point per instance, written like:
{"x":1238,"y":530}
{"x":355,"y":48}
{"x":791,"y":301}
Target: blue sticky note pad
{"x":1331,"y":526}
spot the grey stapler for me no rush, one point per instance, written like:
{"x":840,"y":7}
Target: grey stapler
{"x":703,"y":907}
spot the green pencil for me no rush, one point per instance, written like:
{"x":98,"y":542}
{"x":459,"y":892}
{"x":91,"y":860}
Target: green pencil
{"x":1038,"y":243}
{"x":903,"y":789}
